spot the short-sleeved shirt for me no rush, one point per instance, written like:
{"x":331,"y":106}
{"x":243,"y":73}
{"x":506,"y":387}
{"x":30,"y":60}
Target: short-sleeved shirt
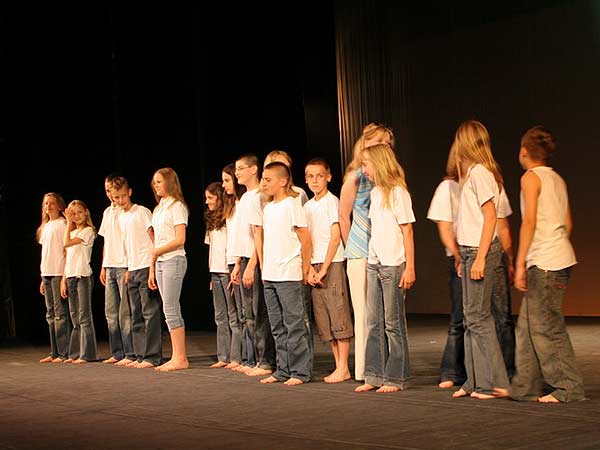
{"x":80,"y":255}
{"x":249,"y":213}
{"x":217,"y":246}
{"x":386,"y":246}
{"x":357,"y":245}
{"x":52,"y":239}
{"x":168,"y":213}
{"x":282,"y":251}
{"x":321,"y":215}
{"x":479,"y":187}
{"x":138,"y":245}
{"x":444,"y":205}
{"x":233,"y":231}
{"x":110,"y":230}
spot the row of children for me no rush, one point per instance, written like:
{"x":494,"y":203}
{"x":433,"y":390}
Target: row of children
{"x":143,"y":252}
{"x":270,"y":233}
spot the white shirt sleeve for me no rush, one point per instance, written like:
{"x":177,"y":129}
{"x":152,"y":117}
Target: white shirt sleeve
{"x":402,"y":206}
{"x":440,"y":208}
{"x":180,"y":214}
{"x":298,"y":216}
{"x":87,"y":236}
{"x":504,"y":209}
{"x":483,"y":184}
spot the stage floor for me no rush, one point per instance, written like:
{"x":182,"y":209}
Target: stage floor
{"x":94,"y":406}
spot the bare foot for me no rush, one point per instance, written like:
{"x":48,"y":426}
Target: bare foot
{"x":482,"y":396}
{"x":80,"y":361}
{"x":218,"y":365}
{"x":68,"y":361}
{"x":548,"y":399}
{"x":500,"y":392}
{"x":365,"y":387}
{"x":385,"y":389}
{"x":337,"y":377}
{"x":47,"y":359}
{"x":269,"y":380}
{"x":58,"y":360}
{"x":460,"y":393}
{"x":242,"y":369}
{"x":173,"y":365}
{"x":131,"y":364}
{"x":258,"y":372}
{"x":111,"y":360}
{"x":123,"y":363}
{"x":144,"y":365}
{"x":446,"y":384}
{"x":293,"y":382}
{"x":232,"y":365}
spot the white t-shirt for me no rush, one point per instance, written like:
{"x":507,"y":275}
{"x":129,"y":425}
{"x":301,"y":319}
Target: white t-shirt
{"x":114,"y":251}
{"x":167,"y":215}
{"x":233,"y":231}
{"x":282,"y":251}
{"x":444,"y":205}
{"x":138,"y":245}
{"x":320,"y":216}
{"x":551,"y":247}
{"x":217,"y":241}
{"x":52,"y":239}
{"x":386,"y":246}
{"x":504,"y":210}
{"x":479,"y":187}
{"x":249,"y":211}
{"x":80,"y":255}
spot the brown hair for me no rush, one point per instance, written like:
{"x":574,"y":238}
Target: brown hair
{"x":319,"y":162}
{"x":238,"y":189}
{"x":539,"y":142}
{"x":173,"y":185}
{"x":215,"y":220}
{"x":45,"y":217}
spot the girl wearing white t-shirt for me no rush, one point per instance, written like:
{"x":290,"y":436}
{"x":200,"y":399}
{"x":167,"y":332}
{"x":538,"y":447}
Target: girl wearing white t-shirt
{"x":229,"y":336}
{"x":169,"y":221}
{"x":390,"y":271}
{"x":77,"y":282}
{"x":480,"y":251}
{"x":50,"y":235}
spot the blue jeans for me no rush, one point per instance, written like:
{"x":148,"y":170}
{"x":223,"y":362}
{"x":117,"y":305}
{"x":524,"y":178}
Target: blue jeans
{"x":239,"y":308}
{"x":83,"y":336}
{"x":118,"y":315}
{"x":57,"y":316}
{"x":545,"y":356}
{"x":145,"y":318}
{"x":259,"y":340}
{"x":483,"y":357}
{"x":502,"y":313}
{"x":285,"y":305}
{"x":169,"y":277}
{"x":229,"y":330}
{"x":386,"y":358}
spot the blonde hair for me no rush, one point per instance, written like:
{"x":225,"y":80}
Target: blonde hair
{"x":451,"y":168}
{"x":369,"y":131}
{"x":388,"y":172}
{"x":88,"y":218}
{"x":472,"y":142}
{"x":46,"y":216}
{"x":173,"y":185}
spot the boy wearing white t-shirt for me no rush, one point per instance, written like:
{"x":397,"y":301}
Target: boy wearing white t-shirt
{"x":136,"y":227}
{"x":327,"y":275}
{"x":114,"y":266}
{"x":286,"y":254}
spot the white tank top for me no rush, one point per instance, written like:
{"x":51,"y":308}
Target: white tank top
{"x":550,"y":248}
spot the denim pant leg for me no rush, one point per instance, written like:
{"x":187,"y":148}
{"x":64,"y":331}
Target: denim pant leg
{"x":235,"y":352}
{"x":300,"y":355}
{"x":138,"y":328}
{"x":483,"y":357}
{"x":308,"y":313}
{"x":114,"y":296}
{"x":249,"y":336}
{"x":57,"y":316}
{"x":83,"y":337}
{"x":73,"y":296}
{"x":453,"y":358}
{"x":169,"y":277}
{"x":502,"y":313}
{"x":221,"y":318}
{"x":548,"y":333}
{"x":151,"y":305}
{"x":237,"y":298}
{"x":275,"y":310}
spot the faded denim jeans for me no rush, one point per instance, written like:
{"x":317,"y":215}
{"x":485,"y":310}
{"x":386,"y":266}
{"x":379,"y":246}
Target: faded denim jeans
{"x":386,"y":358}
{"x":169,"y":277}
{"x":545,"y":356}
{"x":57,"y":316}
{"x":83,"y":337}
{"x":239,"y":307}
{"x":118,"y":314}
{"x":483,"y":357}
{"x":229,"y":329}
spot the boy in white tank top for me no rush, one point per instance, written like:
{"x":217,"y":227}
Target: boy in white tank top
{"x":546,"y":370}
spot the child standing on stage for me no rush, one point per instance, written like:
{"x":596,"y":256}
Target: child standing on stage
{"x":327,"y":276}
{"x":229,"y":338}
{"x":286,"y":260}
{"x":136,"y":228}
{"x":114,"y":266}
{"x":233,"y":191}
{"x":259,"y":341}
{"x":390,"y":272}
{"x":51,"y":234}
{"x":546,"y":369}
{"x":77,"y":282}
{"x":480,"y":251}
{"x":169,"y":262}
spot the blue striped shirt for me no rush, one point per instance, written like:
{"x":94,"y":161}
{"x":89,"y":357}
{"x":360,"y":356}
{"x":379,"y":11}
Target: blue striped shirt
{"x":360,"y":230}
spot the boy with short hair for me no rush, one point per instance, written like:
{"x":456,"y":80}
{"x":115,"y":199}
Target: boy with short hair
{"x":327,"y":275}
